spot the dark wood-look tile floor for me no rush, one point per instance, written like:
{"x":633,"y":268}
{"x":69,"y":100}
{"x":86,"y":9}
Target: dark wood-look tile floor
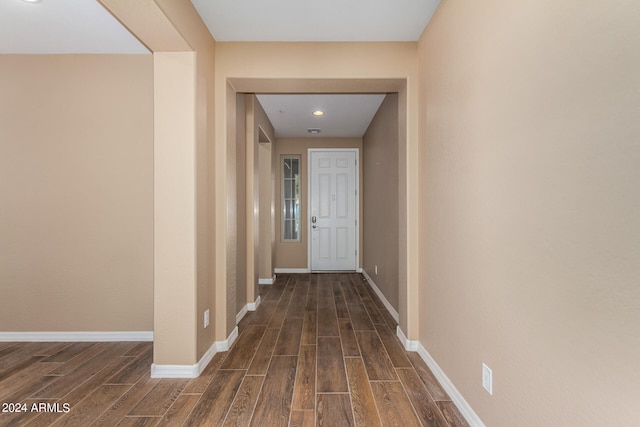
{"x":320,"y":350}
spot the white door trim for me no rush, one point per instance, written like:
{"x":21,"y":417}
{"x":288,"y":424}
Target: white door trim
{"x":357,"y":200}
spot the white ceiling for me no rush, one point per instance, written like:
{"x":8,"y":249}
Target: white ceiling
{"x":62,"y":26}
{"x":84,"y":26}
{"x":345,"y":115}
{"x":308,"y":20}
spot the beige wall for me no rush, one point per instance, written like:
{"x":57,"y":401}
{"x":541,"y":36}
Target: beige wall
{"x":266,"y":239}
{"x":381,"y":202}
{"x":258,"y":236}
{"x":185,"y":263}
{"x":327,"y":68}
{"x":76,"y":184}
{"x":239,"y":217}
{"x":530,"y":238}
{"x":295,"y":254}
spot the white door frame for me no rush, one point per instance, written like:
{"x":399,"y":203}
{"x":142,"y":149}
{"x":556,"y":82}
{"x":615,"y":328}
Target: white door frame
{"x":356,"y":267}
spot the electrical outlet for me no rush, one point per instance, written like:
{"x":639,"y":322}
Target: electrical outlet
{"x":487,"y":379}
{"x":375,"y":270}
{"x":206,"y":318}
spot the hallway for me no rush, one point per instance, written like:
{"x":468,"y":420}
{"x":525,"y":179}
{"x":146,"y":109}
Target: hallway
{"x":319,"y":350}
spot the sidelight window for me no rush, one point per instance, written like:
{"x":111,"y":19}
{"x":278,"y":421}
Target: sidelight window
{"x":290,"y":198}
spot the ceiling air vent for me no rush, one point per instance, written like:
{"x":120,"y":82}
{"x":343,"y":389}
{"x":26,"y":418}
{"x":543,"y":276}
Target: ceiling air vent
{"x":313,"y":131}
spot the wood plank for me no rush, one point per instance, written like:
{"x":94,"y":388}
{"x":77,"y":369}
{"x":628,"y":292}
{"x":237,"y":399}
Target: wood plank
{"x":360,"y":318}
{"x":260,"y":362}
{"x":309,"y":328}
{"x":312,"y":298}
{"x":327,"y":321}
{"x":139,"y":422}
{"x":296,"y":307}
{"x":242,"y":408}
{"x":374,"y":356}
{"x":275,"y":290}
{"x":69,"y":352}
{"x":364,"y":406}
{"x":242,"y":352}
{"x":330,"y":363}
{"x":179,"y":411}
{"x":452,"y":414}
{"x":374,"y":312}
{"x":16,"y":368}
{"x":264,"y":313}
{"x":90,"y":408}
{"x":288,"y":343}
{"x":428,"y":379}
{"x":217,"y":399}
{"x":135,"y":370}
{"x":425,"y":407}
{"x":281,"y":310}
{"x":302,"y":285}
{"x":302,"y":419}
{"x":200,"y":384}
{"x":93,"y":354}
{"x":394,"y":348}
{"x":304,"y":395}
{"x":393,"y":404}
{"x":77,"y":395}
{"x":334,"y":410}
{"x":347,"y":336}
{"x":22,"y":383}
{"x":158,"y":401}
{"x":126,"y":403}
{"x":349,"y":292}
{"x":97,"y":370}
{"x":22,"y":352}
{"x":139,"y":349}
{"x":274,"y":404}
{"x":52,"y":349}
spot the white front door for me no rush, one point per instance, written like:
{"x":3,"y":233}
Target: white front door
{"x":333,"y":209}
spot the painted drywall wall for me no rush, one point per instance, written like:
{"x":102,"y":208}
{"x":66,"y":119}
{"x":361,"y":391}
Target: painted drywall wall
{"x":294,"y":255}
{"x":166,"y":27}
{"x":530,"y":209}
{"x":266,"y":240}
{"x":328,"y":68}
{"x":239,"y":217}
{"x":257,"y":236}
{"x":76,"y":184}
{"x":381,"y":209}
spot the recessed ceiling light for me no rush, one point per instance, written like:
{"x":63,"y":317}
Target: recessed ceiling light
{"x":313,"y":131}
{"x":318,"y":113}
{"x":32,"y":1}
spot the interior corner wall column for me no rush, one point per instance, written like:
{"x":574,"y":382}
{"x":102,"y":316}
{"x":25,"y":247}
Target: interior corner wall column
{"x":224,"y":246}
{"x":409,"y":101}
{"x":175,"y":328}
{"x":252,"y":200}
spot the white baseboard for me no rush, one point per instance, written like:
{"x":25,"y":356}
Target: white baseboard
{"x":241,"y":314}
{"x":253,"y":306}
{"x":409,"y":345}
{"x":226,"y":344}
{"x":268,"y":281}
{"x":465,"y":409}
{"x":193,"y":371}
{"x":384,"y":300}
{"x":291,"y":270}
{"x":76,"y":336}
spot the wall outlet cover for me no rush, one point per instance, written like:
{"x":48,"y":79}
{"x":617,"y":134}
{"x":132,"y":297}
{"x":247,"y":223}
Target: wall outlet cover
{"x":487,"y":379}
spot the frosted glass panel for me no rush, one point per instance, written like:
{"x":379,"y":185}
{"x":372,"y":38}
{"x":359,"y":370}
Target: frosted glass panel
{"x":290,"y":198}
